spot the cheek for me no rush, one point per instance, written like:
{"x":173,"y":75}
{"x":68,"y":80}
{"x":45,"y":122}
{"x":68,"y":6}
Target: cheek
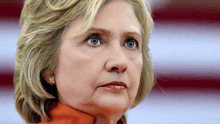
{"x":73,"y":81}
{"x":72,"y":67}
{"x":76,"y":70}
{"x":73,"y":63}
{"x":136,"y":68}
{"x":135,"y":75}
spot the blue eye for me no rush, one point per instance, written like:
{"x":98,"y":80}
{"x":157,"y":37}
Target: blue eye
{"x":131,"y":43}
{"x":93,"y":40}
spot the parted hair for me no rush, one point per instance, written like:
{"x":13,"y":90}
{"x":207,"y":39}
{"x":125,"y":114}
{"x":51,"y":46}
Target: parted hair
{"x":43,"y":24}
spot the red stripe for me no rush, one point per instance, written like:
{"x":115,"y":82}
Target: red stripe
{"x":6,"y":79}
{"x":165,"y":82}
{"x":182,"y":13}
{"x":172,"y":12}
{"x":184,"y":82}
{"x":10,"y":10}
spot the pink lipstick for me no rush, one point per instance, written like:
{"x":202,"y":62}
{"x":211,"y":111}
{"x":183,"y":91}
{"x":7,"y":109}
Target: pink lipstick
{"x":115,"y":85}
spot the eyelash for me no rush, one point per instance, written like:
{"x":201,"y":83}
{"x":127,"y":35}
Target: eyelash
{"x":96,"y":35}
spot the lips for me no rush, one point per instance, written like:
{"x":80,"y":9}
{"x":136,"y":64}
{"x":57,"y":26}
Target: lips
{"x":116,"y":83}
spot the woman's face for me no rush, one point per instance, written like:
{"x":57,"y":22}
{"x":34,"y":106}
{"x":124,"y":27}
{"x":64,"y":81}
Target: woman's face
{"x":100,"y":69}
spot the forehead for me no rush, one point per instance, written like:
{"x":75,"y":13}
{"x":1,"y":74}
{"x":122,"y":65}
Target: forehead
{"x":114,"y":15}
{"x":117,"y":13}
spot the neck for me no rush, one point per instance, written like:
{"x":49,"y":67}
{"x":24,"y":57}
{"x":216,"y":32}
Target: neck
{"x":100,"y":120}
{"x":110,"y":118}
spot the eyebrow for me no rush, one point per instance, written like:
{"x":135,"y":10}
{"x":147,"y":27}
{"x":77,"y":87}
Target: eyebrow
{"x":108,"y":33}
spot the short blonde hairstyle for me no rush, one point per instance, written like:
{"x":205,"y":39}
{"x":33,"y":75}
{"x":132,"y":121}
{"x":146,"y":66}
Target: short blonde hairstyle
{"x":43,"y":24}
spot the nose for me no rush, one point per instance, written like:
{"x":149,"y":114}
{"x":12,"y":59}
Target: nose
{"x":116,"y":61}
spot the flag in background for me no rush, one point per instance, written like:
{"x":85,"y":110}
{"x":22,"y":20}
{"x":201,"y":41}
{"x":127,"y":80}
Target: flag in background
{"x":185,"y":50}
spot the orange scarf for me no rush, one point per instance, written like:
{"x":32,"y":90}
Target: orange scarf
{"x":64,"y":114}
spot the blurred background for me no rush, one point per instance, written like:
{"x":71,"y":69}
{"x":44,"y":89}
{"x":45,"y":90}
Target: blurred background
{"x":185,"y":50}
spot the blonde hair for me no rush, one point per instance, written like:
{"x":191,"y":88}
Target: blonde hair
{"x":43,"y":24}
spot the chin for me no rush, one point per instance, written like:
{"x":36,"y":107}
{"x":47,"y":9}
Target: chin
{"x":114,"y":104}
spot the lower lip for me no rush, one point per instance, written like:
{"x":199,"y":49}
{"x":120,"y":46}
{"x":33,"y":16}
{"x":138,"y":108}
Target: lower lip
{"x":115,"y":87}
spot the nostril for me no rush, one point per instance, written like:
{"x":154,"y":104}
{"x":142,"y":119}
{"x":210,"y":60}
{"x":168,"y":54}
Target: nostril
{"x":114,"y":69}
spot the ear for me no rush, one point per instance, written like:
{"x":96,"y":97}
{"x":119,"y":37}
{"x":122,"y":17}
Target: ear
{"x":49,"y":78}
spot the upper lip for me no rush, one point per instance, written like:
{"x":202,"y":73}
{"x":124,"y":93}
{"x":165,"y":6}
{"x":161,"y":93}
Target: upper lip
{"x":118,"y":83}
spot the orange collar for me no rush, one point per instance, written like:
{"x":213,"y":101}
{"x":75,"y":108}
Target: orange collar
{"x":64,"y":114}
{"x":60,"y":114}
